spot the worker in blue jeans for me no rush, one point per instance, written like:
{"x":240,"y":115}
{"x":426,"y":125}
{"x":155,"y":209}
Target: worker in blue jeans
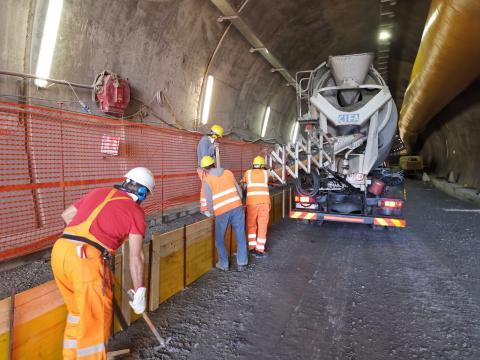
{"x":221,"y":197}
{"x":236,"y":217}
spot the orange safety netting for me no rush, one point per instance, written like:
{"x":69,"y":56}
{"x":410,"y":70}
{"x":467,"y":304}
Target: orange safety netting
{"x":49,"y":158}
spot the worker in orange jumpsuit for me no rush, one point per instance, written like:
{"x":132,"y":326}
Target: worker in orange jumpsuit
{"x":258,"y":206}
{"x":97,"y":225}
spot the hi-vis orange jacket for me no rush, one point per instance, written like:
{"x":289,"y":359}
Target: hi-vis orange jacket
{"x":220,"y":192}
{"x":257,"y":186}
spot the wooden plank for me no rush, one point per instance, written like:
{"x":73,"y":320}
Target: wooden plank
{"x":154,"y":283}
{"x":117,"y":327}
{"x":277,"y":210}
{"x":171,"y":262}
{"x":112,"y":354}
{"x":270,"y":219}
{"x":199,"y":243}
{"x":41,"y":337}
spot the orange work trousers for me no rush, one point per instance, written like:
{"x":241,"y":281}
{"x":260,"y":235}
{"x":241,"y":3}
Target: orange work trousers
{"x":257,"y":223}
{"x":89,"y":310}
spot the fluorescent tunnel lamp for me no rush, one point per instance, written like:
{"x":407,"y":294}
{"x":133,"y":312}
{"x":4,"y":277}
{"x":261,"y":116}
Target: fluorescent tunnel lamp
{"x":49,"y":38}
{"x":265,"y":121}
{"x":207,"y":100}
{"x":384,"y":35}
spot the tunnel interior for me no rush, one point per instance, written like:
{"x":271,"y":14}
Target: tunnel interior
{"x":243,"y":56}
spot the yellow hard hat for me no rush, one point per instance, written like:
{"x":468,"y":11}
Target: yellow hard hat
{"x":259,"y":160}
{"x":217,"y":130}
{"x":207,"y":161}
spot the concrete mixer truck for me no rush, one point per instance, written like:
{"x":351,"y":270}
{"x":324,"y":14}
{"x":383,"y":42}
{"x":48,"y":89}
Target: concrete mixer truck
{"x":349,"y":122}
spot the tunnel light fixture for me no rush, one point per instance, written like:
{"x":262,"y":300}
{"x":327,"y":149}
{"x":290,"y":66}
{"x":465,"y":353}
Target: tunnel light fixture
{"x":207,"y":100}
{"x":293,"y":138}
{"x":265,"y":121}
{"x":384,"y":35}
{"x":49,"y":39}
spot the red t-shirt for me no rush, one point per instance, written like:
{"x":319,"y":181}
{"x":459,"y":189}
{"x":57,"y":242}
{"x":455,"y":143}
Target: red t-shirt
{"x":115,"y":221}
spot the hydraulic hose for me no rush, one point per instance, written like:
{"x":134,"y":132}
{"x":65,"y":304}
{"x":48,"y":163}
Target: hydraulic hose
{"x":315,"y":185}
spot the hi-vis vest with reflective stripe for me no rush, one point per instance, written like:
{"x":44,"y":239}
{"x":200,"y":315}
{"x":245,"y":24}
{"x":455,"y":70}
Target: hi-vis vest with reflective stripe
{"x":257,"y":187}
{"x":224,"y":192}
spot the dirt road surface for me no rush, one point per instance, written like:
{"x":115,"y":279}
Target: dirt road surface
{"x":340,"y":291}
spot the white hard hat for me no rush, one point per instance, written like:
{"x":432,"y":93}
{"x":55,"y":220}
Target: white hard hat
{"x":142,"y":176}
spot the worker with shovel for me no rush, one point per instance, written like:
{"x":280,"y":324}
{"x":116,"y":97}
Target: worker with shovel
{"x":221,"y":197}
{"x":97,"y":225}
{"x":208,"y":146}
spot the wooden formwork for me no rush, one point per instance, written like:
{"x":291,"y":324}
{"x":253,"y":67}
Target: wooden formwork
{"x":168,"y":266}
{"x":199,"y":249}
{"x":39,"y":322}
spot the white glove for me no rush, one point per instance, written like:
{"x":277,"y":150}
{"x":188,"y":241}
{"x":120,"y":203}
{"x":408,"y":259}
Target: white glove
{"x":138,"y":300}
{"x":207,"y":213}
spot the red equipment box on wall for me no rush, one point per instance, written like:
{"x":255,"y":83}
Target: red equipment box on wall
{"x":112,"y":93}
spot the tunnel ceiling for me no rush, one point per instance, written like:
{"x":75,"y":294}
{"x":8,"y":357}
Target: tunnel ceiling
{"x":303,"y":33}
{"x":167,"y":45}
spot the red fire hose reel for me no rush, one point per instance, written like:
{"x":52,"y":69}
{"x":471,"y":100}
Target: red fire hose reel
{"x":111,"y":92}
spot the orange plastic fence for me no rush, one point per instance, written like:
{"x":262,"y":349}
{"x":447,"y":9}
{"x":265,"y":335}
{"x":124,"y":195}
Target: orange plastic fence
{"x":49,"y":158}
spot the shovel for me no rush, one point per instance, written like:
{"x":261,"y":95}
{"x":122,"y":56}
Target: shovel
{"x":153,"y":329}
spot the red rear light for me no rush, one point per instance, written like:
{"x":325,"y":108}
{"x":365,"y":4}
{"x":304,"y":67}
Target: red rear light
{"x":304,"y":199}
{"x":390,"y":204}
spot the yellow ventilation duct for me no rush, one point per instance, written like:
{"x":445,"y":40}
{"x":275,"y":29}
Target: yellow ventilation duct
{"x":448,"y":60}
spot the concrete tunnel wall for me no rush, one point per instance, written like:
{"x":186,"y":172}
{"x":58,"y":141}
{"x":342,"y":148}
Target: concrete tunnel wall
{"x":166,"y":46}
{"x":162,"y":46}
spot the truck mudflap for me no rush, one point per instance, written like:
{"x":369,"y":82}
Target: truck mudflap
{"x":381,"y":221}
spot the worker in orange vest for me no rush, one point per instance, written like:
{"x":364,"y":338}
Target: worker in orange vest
{"x":97,"y":225}
{"x":258,"y":206}
{"x":221,"y":197}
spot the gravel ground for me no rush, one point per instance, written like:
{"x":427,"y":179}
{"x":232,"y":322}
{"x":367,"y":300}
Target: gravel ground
{"x":38,"y":272}
{"x":341,"y":291}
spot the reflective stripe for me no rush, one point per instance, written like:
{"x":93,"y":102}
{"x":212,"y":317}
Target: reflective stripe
{"x":223,"y":193}
{"x":73,"y":319}
{"x":249,"y":176}
{"x":252,"y":243}
{"x":252,"y":236}
{"x":91,"y":350}
{"x":261,"y":247}
{"x":203,"y":199}
{"x":265,"y":175}
{"x":226,"y":202}
{"x":261,"y":241}
{"x":257,"y":193}
{"x":258,"y":185}
{"x":69,"y":344}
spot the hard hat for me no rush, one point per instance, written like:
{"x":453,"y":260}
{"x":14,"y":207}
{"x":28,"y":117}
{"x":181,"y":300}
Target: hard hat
{"x":217,"y":130}
{"x":259,"y":160}
{"x":207,"y":161}
{"x":142,"y":176}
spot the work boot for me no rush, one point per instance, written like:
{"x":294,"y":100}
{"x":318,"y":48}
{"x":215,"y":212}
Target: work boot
{"x":221,"y":267}
{"x":252,"y":252}
{"x":241,"y":268}
{"x":261,"y":255}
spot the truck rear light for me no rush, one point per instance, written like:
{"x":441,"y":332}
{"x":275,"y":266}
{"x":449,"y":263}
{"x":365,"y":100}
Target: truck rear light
{"x":390,"y":204}
{"x":304,"y":199}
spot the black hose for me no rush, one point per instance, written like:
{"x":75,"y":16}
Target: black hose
{"x":315,"y":185}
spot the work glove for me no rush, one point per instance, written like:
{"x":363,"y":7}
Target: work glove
{"x":138,"y":299}
{"x":207,"y":213}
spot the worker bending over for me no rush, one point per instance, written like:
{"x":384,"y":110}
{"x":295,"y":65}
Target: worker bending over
{"x":258,"y":206}
{"x":208,"y":143}
{"x":97,"y":225}
{"x":221,"y":197}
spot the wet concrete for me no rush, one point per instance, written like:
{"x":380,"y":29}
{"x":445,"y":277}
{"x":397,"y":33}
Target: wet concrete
{"x":341,"y":291}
